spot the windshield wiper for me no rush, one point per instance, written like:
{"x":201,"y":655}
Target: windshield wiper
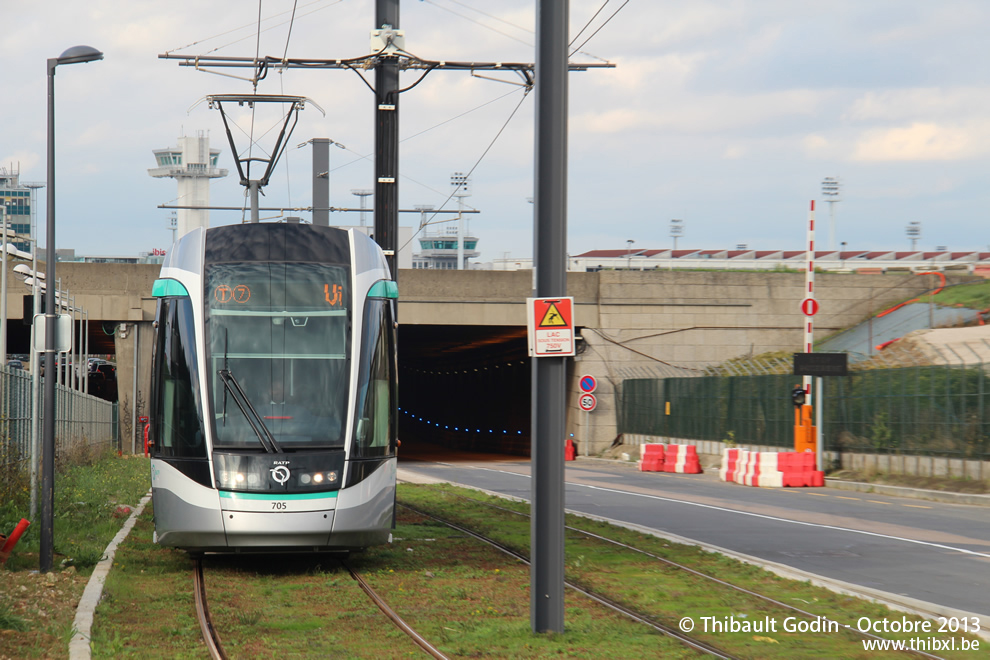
{"x":257,"y":424}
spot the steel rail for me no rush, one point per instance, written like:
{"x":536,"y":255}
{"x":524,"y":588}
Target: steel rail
{"x":210,"y":634}
{"x":698,"y":573}
{"x":393,"y":616}
{"x":663,"y":628}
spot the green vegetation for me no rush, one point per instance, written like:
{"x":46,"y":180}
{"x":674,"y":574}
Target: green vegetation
{"x":974,"y":295}
{"x":465,"y":597}
{"x":93,"y":496}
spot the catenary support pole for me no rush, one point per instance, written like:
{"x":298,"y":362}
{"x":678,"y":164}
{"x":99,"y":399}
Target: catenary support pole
{"x":549,"y":373}
{"x":387,"y":140}
{"x":321,"y":181}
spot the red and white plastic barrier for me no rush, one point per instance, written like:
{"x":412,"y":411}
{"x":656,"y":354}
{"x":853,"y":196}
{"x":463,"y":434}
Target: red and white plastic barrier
{"x":680,"y":459}
{"x":651,"y":458}
{"x":770,"y":469}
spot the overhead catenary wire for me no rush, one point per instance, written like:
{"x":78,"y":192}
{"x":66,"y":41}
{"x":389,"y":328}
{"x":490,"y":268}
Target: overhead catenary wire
{"x":487,"y":27}
{"x":578,"y":49}
{"x":501,"y":20}
{"x":590,"y":20}
{"x":365,"y":157}
{"x":473,"y":167}
{"x":252,"y":24}
{"x":288,"y":37}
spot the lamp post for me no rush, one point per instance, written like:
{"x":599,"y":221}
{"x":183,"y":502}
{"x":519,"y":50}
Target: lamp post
{"x":73,"y":55}
{"x":629,"y":244}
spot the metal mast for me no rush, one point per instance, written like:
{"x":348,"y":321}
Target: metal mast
{"x":550,"y":270}
{"x":387,"y":132}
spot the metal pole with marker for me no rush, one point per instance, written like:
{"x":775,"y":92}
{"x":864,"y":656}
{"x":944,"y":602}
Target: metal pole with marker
{"x":804,"y":431}
{"x":810,"y":305}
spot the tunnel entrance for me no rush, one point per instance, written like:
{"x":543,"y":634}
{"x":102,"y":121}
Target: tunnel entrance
{"x":464,"y":388}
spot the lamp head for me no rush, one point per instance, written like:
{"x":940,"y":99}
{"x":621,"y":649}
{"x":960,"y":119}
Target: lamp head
{"x":79,"y":54}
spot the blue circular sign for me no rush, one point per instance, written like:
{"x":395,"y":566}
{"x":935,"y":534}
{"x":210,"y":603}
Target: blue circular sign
{"x":588,"y":384}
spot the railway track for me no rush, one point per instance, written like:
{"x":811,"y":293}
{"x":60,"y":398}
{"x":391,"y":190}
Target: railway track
{"x":210,"y":635}
{"x":673,"y":632}
{"x":212,"y":638}
{"x":659,"y":626}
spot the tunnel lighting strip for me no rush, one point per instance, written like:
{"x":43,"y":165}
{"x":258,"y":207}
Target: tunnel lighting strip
{"x":455,"y":372}
{"x":447,"y":426}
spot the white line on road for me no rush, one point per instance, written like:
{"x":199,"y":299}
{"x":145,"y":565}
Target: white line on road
{"x":764,"y":516}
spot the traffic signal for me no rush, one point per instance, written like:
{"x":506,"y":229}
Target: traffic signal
{"x":798,"y":396}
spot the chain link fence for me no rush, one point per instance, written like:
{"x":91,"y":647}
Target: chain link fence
{"x":81,"y":421}
{"x":909,"y":400}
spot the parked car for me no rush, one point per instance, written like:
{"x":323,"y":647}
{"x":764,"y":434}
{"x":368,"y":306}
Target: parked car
{"x":15,"y":364}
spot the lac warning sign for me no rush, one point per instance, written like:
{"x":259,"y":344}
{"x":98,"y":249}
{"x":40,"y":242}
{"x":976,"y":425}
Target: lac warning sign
{"x":550,"y":324}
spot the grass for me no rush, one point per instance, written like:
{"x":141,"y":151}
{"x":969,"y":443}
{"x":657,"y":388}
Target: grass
{"x":974,"y":295}
{"x":669,"y":594}
{"x":37,"y":611}
{"x":465,"y":597}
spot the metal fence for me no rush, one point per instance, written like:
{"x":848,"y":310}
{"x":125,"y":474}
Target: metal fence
{"x":880,"y":407}
{"x":81,"y":420}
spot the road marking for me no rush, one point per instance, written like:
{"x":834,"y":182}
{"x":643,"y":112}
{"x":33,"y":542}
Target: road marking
{"x":843,"y":497}
{"x":819,"y":494}
{"x":916,"y":506}
{"x":941,"y":546}
{"x":879,"y":502}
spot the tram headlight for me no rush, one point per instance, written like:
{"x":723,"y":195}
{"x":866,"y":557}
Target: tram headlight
{"x":305,"y":478}
{"x":239,"y":478}
{"x":332,"y":477}
{"x":318,"y":477}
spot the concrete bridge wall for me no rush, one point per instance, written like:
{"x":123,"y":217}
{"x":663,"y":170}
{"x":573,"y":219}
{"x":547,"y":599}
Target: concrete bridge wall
{"x":647,"y":324}
{"x":633,"y":323}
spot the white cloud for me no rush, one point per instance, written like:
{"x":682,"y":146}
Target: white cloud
{"x":918,"y":104}
{"x":923,"y":141}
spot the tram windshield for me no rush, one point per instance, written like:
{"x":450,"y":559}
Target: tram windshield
{"x":277,"y":337}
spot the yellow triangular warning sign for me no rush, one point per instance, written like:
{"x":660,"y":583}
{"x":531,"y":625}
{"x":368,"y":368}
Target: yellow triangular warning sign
{"x":552,"y":318}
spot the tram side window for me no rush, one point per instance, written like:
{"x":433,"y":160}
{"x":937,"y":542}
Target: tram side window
{"x":375,"y":429}
{"x":178,"y":423}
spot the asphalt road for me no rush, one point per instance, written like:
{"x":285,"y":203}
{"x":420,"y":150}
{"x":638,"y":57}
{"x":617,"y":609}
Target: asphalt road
{"x":933,"y":552}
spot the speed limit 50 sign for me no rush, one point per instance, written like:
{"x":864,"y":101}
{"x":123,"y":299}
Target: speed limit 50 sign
{"x":587,"y":401}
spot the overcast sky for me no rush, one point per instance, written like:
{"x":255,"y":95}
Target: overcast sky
{"x":725,"y":114}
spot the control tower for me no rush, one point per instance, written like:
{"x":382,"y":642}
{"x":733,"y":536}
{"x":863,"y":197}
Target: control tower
{"x":192,"y":163}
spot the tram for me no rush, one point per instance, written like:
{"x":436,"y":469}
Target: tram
{"x":273,"y":423}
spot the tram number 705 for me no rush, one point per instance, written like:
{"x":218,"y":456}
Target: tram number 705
{"x":279,"y":506}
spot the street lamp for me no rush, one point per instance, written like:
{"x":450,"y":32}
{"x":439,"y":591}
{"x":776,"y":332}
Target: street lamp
{"x":629,"y":244}
{"x":74,"y":55}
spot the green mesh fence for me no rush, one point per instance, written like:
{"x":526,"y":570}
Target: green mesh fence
{"x":923,"y":410}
